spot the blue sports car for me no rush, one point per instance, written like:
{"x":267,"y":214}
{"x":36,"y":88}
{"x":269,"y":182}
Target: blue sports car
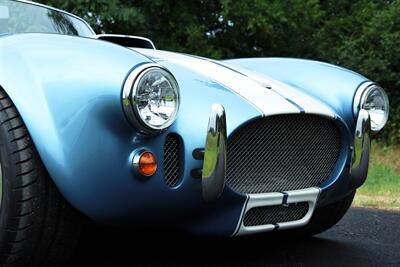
{"x":107,"y":128}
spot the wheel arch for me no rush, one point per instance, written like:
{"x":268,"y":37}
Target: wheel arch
{"x":67,"y":90}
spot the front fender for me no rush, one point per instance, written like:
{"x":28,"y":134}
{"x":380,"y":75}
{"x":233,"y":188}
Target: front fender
{"x":67,"y":90}
{"x":332,"y":85}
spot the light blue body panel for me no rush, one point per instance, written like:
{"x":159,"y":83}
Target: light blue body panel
{"x":68,"y":92}
{"x":335,"y":86}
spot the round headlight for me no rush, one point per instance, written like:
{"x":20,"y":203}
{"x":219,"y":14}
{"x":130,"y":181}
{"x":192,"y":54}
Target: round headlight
{"x":373,"y":99}
{"x":151,"y":98}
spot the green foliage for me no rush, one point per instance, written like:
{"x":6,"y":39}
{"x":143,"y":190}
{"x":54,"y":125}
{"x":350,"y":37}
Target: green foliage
{"x":362,"y":35}
{"x":382,"y":188}
{"x":269,"y":28}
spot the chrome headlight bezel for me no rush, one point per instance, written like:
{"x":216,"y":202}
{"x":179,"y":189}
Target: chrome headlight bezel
{"x":129,"y":94}
{"x":360,"y":98}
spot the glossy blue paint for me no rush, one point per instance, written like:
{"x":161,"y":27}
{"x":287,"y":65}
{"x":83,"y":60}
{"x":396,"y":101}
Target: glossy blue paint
{"x":338,"y":184}
{"x":68,"y":90}
{"x":332,"y":85}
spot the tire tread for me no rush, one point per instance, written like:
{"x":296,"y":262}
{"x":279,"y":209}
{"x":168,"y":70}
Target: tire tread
{"x":37,"y":232}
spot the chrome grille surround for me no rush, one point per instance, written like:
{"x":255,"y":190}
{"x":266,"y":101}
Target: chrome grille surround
{"x":281,"y":153}
{"x":275,"y":214}
{"x":172,"y":160}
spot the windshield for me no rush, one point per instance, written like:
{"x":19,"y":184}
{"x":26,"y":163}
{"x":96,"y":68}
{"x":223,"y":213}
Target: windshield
{"x":21,"y":17}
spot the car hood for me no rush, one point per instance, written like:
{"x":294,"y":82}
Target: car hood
{"x":268,"y":95}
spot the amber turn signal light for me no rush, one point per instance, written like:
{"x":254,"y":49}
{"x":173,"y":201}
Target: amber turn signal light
{"x":147,"y":164}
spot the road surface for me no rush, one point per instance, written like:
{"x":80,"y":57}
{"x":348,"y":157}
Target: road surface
{"x":365,"y":237}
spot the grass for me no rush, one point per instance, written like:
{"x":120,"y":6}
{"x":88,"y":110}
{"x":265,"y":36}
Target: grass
{"x":382,"y":188}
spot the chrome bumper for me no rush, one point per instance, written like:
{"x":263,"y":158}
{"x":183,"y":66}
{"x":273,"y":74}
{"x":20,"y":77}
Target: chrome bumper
{"x":309,"y":195}
{"x":362,"y":143}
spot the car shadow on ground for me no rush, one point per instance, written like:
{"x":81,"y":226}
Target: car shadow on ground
{"x":341,"y":246}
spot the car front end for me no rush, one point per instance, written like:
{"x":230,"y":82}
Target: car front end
{"x":263,"y":170}
{"x":108,"y":127}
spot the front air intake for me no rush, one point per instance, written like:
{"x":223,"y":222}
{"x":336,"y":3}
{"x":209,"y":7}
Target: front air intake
{"x":275,"y":214}
{"x":282,"y":153}
{"x":172,"y":160}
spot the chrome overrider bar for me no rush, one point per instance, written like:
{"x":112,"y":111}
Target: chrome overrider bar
{"x":362,"y":143}
{"x":309,"y":195}
{"x":214,"y":165}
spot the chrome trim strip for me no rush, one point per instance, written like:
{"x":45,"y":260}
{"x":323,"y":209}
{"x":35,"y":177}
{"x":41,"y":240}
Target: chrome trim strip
{"x":126,"y":36}
{"x":58,"y":10}
{"x":241,"y":216}
{"x":136,"y":159}
{"x":136,"y":155}
{"x":362,"y":140}
{"x":129,"y":90}
{"x":214,"y":166}
{"x":309,"y":195}
{"x":359,"y":95}
{"x":127,"y":93}
{"x":360,"y":98}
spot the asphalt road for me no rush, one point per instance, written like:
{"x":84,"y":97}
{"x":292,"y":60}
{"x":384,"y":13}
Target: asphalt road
{"x":365,"y":237}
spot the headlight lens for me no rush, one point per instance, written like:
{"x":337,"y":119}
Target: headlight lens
{"x":156,"y":99}
{"x":153,"y":98}
{"x":374,"y":100}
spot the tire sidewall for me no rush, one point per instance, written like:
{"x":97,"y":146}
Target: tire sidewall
{"x":6,"y":198}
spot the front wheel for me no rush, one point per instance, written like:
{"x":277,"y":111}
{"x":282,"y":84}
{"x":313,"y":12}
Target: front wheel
{"x":37,"y":226}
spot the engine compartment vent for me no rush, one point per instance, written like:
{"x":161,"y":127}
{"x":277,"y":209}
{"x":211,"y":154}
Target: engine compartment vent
{"x":172,"y":163}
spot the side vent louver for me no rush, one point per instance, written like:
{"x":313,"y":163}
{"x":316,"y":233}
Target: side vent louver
{"x":172,"y":164}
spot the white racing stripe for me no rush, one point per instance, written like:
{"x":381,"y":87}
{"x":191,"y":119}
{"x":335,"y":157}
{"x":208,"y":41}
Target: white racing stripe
{"x":308,"y":103}
{"x":265,"y":100}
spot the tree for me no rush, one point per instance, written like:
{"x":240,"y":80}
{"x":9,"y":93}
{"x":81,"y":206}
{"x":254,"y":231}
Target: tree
{"x":362,"y":35}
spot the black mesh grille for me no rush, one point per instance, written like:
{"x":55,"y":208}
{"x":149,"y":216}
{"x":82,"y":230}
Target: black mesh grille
{"x":171,"y":160}
{"x":275,"y":214}
{"x":281,"y":153}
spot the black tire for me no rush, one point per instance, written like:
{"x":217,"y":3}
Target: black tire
{"x":326,"y":217}
{"x":37,"y":226}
